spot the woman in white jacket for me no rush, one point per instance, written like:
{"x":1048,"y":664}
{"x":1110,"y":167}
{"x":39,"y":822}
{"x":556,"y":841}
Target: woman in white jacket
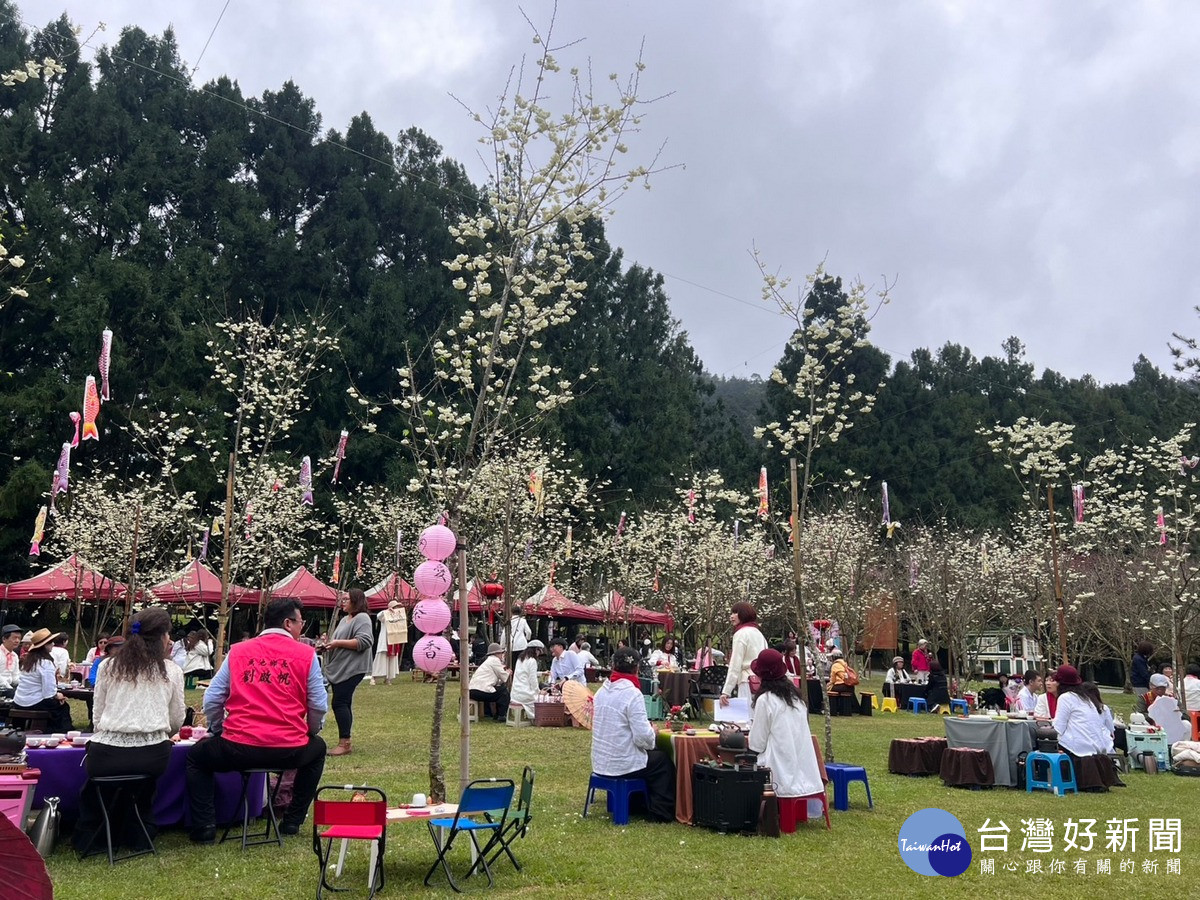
{"x":748,"y":642}
{"x":780,"y":736}
{"x":525,"y":677}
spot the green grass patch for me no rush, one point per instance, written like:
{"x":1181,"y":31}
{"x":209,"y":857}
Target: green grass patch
{"x":566,"y":855}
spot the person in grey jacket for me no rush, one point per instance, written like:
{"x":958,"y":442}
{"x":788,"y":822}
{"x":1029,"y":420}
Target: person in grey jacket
{"x":347,"y":659}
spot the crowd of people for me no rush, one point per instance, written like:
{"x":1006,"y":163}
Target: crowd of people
{"x":266,"y":704}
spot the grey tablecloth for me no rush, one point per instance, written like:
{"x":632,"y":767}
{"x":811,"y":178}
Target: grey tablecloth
{"x":1003,"y":740}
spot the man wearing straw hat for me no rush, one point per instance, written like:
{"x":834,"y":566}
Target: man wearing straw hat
{"x":489,"y":684}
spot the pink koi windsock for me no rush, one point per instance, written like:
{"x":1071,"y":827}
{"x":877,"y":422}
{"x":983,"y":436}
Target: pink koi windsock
{"x":340,"y":454}
{"x":358,"y":562}
{"x":1161,"y":521}
{"x":691,"y":517}
{"x":764,"y":506}
{"x":306,"y":481}
{"x":887,"y":511}
{"x":1077,"y":499}
{"x":39,"y":532}
{"x":76,"y":418}
{"x":105,"y":357}
{"x":91,"y":408}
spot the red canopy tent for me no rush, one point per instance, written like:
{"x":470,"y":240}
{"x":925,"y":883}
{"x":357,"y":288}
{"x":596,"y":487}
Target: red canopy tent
{"x":614,"y":608}
{"x":70,"y":579}
{"x":306,"y":588}
{"x":197,"y":583}
{"x":391,"y":588}
{"x":550,"y":602}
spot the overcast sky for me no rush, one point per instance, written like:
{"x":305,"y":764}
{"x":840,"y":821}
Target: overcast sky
{"x":1017,"y":168}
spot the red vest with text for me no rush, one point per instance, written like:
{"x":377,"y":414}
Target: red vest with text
{"x":268,"y":692}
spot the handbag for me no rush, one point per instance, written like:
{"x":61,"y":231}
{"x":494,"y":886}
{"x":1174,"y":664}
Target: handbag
{"x":850,"y":678}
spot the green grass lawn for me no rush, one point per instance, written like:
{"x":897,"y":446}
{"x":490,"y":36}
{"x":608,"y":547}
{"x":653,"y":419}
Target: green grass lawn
{"x":566,"y":855}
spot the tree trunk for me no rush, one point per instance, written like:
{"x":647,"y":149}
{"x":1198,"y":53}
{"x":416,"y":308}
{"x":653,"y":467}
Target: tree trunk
{"x":437,"y":774}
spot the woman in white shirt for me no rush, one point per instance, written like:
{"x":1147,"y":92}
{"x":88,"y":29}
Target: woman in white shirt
{"x":897,"y":674}
{"x":1084,"y":733}
{"x":197,"y":660}
{"x":516,"y":635}
{"x":780,"y":736}
{"x":748,"y":642}
{"x":138,"y":706}
{"x":525,"y":677}
{"x":1191,"y":688}
{"x":666,"y":656}
{"x":37,"y":687}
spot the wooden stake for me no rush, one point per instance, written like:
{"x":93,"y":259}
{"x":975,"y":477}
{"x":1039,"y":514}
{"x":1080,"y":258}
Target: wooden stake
{"x":464,"y":677}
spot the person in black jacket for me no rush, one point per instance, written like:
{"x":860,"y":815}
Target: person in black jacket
{"x":937,"y":692}
{"x":1139,"y":670}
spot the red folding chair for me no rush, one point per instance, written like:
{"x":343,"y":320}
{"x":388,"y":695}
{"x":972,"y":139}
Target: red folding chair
{"x":359,"y":818}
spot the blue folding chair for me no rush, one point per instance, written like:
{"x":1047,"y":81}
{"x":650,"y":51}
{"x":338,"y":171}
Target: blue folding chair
{"x":489,"y":795}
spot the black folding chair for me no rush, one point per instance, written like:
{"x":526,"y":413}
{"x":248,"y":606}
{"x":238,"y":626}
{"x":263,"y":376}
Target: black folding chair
{"x":488,"y":795}
{"x":518,"y":820}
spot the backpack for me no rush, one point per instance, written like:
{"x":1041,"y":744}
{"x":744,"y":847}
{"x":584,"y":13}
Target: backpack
{"x":851,"y":677}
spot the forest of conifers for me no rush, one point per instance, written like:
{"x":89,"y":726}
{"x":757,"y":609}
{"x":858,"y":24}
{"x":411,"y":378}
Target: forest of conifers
{"x":157,"y":208}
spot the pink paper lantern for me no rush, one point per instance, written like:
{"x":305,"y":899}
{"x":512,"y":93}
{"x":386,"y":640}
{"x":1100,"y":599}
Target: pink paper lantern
{"x":437,"y":542}
{"x":432,"y":579}
{"x":432,"y":653}
{"x":431,"y":616}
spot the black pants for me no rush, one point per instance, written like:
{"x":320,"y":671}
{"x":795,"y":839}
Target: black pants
{"x":219,"y":755}
{"x":660,"y":787}
{"x":102,"y":760}
{"x":343,"y":696}
{"x":60,"y":714}
{"x":495,"y":703}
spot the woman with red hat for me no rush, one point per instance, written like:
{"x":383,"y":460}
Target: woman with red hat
{"x":779,"y":735}
{"x":1083,"y":732}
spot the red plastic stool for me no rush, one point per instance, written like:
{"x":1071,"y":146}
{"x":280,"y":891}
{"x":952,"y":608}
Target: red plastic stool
{"x":793,"y":810}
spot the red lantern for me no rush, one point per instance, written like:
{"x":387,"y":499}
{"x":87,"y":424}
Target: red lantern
{"x":493,"y":590}
{"x":822,"y":624}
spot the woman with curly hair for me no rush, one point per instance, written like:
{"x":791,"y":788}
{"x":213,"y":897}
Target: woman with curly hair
{"x":137,"y":707}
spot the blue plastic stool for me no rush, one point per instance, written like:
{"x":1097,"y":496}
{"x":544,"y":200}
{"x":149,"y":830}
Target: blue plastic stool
{"x":1060,"y":774}
{"x":841,"y":775}
{"x":959,"y":706}
{"x":917,"y":704}
{"x":618,"y":791}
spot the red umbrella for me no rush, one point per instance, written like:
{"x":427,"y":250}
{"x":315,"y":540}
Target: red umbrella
{"x":25,"y":875}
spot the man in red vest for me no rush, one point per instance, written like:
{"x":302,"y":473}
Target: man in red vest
{"x":264,"y":706}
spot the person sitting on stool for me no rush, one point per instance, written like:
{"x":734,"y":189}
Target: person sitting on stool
{"x":623,"y":739}
{"x":267,"y":704}
{"x":489,"y":684}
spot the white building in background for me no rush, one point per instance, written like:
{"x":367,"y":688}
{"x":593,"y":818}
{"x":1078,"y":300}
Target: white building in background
{"x":1004,"y":652}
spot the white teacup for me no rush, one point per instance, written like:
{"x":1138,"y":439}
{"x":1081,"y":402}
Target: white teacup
{"x":418,"y":800}
{"x":71,"y":735}
{"x":57,"y":738}
{"x":33,"y":740}
{"x":199,"y":732}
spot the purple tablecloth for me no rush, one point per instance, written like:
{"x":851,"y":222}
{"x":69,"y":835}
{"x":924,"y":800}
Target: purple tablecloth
{"x":64,"y":776}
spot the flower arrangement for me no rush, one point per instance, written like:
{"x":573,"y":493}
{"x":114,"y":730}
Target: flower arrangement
{"x":677,"y":716}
